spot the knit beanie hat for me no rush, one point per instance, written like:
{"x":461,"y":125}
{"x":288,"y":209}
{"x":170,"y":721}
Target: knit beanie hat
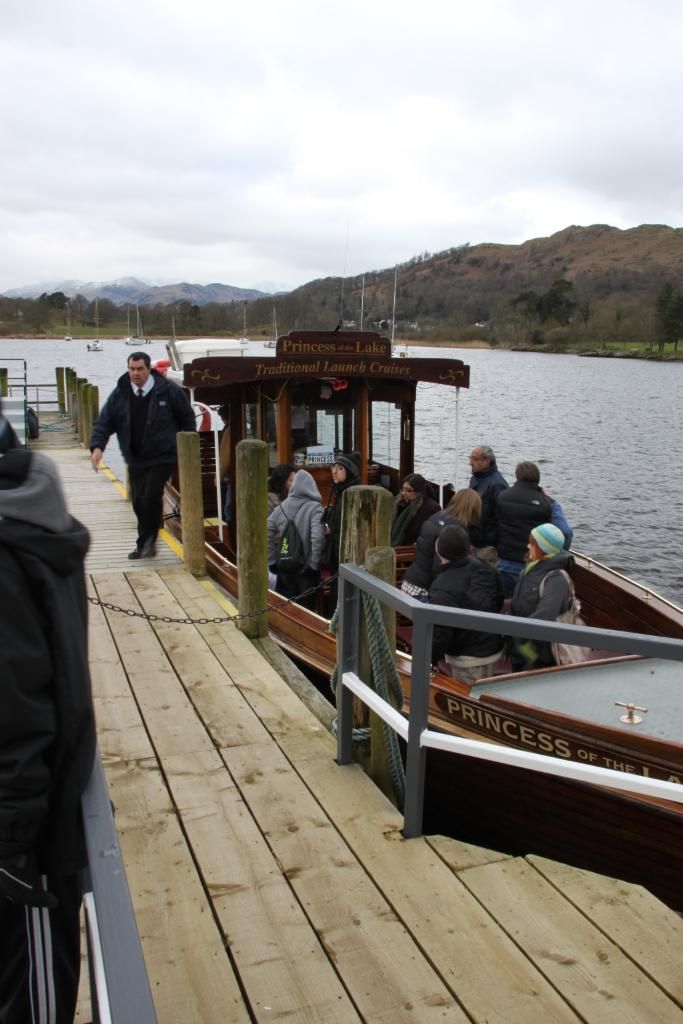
{"x":348,"y":463}
{"x":549,"y":538}
{"x":453,"y":542}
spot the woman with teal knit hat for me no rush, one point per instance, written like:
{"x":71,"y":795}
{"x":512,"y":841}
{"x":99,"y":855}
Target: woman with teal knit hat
{"x":541,"y":592}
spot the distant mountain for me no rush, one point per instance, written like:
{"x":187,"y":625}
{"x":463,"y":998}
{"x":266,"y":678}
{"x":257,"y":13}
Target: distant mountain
{"x":132,"y":289}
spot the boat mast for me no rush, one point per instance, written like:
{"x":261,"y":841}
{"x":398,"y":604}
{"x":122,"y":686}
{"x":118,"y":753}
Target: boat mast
{"x":393,"y":309}
{"x":362,"y":301}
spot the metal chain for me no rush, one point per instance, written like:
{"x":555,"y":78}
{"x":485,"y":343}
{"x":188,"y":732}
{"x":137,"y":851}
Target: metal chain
{"x":150,"y":617}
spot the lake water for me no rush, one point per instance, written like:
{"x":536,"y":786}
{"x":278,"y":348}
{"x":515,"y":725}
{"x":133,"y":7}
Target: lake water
{"x":605,"y":433}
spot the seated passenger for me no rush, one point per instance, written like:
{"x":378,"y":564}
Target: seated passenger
{"x":412,"y":507}
{"x":464,"y":509}
{"x":545,"y":557}
{"x":303,"y":507}
{"x":465,"y":581}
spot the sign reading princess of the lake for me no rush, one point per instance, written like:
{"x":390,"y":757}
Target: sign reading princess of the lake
{"x":348,"y":344}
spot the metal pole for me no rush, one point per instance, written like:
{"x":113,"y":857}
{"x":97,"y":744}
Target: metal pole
{"x":419,"y":709}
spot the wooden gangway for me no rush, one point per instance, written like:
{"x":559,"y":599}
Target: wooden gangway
{"x":271,"y":884}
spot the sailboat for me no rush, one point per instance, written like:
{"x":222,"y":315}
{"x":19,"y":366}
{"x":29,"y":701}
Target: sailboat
{"x":96,"y":345}
{"x":67,"y":336}
{"x":272,"y":342}
{"x":137,"y":338}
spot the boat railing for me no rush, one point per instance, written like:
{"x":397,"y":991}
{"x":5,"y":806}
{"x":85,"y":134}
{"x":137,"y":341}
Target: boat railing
{"x":415,"y":731}
{"x":119,"y":987}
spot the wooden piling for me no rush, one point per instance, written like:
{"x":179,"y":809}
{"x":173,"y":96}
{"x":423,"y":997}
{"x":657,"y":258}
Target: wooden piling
{"x":81,"y":383}
{"x":191,"y":502}
{"x":251,"y":486}
{"x":366,"y":523}
{"x":3,"y":381}
{"x":60,"y":377}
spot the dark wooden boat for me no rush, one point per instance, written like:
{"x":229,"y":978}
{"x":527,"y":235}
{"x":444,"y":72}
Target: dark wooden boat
{"x":347,"y":389}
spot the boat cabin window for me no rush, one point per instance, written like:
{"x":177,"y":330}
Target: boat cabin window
{"x":385,"y":434}
{"x":317,"y":420}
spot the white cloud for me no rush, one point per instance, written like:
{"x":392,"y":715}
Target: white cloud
{"x":205,"y":142}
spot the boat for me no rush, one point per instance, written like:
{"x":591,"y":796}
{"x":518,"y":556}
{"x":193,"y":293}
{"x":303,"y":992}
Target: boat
{"x":96,"y":344}
{"x":358,"y":393}
{"x":67,"y":336}
{"x":138,"y":338}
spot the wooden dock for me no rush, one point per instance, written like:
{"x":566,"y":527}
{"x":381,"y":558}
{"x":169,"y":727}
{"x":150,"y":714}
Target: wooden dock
{"x":271,"y":884}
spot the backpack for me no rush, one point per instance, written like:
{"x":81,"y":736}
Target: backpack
{"x":291,"y":556}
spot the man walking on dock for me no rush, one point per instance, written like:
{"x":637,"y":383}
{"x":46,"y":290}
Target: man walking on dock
{"x":145,"y":411}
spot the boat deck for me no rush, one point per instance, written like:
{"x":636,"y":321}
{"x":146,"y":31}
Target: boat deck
{"x":270,"y":883}
{"x":590,"y":692}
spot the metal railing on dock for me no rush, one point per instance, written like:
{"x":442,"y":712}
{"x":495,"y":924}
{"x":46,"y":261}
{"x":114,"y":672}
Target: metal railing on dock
{"x":414,"y":730}
{"x":119,"y":986}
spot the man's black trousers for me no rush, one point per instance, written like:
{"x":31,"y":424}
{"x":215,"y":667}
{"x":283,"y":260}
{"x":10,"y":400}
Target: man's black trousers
{"x":146,"y":490}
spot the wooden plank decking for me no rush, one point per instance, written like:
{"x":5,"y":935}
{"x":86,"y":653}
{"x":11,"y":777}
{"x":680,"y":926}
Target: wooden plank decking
{"x":271,"y":884}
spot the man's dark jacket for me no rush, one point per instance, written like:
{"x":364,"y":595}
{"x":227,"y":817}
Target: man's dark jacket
{"x":47,"y":729}
{"x":470,"y":583}
{"x":488,"y":483}
{"x":520,"y":508}
{"x":168,"y":413}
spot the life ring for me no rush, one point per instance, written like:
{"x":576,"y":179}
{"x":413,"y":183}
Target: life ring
{"x":202,"y":415}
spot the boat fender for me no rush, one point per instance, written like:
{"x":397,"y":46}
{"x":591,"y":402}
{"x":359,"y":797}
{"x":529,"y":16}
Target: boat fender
{"x":202,"y":415}
{"x":340,"y":384}
{"x":162,"y":366}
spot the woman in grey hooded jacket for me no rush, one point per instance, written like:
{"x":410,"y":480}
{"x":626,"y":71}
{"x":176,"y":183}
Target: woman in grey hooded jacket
{"x":303,"y":506}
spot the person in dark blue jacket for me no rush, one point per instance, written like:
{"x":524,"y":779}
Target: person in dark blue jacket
{"x":146,"y":411}
{"x":488,"y":482}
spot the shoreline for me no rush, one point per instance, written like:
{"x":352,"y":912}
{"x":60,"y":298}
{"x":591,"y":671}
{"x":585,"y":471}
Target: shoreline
{"x":476,"y":343}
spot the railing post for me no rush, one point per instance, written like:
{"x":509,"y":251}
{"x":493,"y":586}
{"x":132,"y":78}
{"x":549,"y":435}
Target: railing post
{"x":417,"y":723}
{"x":3,"y":381}
{"x":191,"y":502}
{"x":381,"y":562}
{"x":80,"y":404}
{"x":251,"y":487}
{"x":348,"y":636}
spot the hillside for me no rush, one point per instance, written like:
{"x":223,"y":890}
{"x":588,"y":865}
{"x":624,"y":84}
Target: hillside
{"x":477,"y":284}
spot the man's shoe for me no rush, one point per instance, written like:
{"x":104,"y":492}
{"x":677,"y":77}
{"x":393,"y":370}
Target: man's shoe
{"x":135,"y":554}
{"x":149,"y":549}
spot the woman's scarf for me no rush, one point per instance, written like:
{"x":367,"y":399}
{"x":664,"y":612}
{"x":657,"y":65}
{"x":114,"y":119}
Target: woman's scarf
{"x":403,"y":518}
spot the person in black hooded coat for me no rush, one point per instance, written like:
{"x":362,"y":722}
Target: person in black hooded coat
{"x":47,"y":738}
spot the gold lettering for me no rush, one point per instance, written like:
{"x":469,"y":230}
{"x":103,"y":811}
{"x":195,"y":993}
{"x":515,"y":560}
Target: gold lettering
{"x":510,"y":729}
{"x":492,"y":722}
{"x":562,"y":747}
{"x":468,"y":714}
{"x":545,"y":742}
{"x":527,"y":735}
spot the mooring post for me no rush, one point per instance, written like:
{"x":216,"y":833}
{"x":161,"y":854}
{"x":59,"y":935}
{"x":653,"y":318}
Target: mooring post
{"x":81,"y":383}
{"x":60,"y":377}
{"x":93,"y":408}
{"x":191,"y":502}
{"x":366,"y":523}
{"x":3,"y":381}
{"x":251,"y":487}
{"x":381,"y":562}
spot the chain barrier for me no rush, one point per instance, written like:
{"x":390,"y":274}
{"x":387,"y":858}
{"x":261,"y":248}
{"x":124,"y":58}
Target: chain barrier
{"x":217,"y":619}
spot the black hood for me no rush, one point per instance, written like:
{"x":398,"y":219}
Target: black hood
{"x":34,"y":520}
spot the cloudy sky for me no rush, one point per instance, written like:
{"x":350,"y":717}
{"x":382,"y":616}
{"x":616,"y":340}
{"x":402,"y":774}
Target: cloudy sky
{"x":266,"y":143}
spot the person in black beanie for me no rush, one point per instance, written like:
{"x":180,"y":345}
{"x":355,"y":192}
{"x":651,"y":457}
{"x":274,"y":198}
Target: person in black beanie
{"x":345,"y":474}
{"x":146,"y":411}
{"x":465,"y":581}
